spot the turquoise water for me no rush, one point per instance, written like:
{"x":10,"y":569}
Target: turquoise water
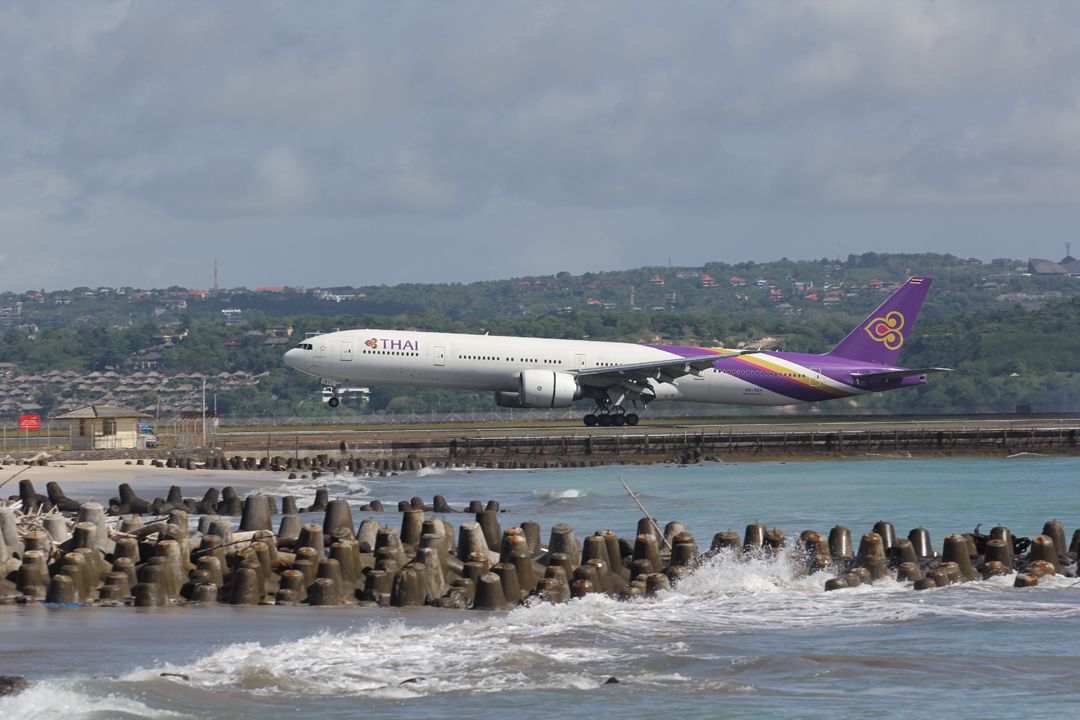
{"x":736,"y":639}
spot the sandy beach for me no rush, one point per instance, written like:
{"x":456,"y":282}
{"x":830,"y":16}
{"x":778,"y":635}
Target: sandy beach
{"x":85,"y":480}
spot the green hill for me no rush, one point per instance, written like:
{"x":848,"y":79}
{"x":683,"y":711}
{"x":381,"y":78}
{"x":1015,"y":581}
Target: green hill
{"x":1010,"y":336}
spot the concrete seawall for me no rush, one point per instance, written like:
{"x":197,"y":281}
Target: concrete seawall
{"x":548,"y":448}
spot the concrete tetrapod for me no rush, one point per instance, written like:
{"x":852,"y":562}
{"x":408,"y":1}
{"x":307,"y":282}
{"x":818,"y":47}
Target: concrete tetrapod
{"x":840,"y":546}
{"x":10,"y":544}
{"x":324,"y":591}
{"x":1054,"y":530}
{"x":1043,"y":549}
{"x":754,"y":537}
{"x":887,"y":533}
{"x":311,"y":536}
{"x":148,"y":595}
{"x":256,"y":514}
{"x":489,"y":593}
{"x":57,"y":527}
{"x":997,"y":550}
{"x":646,"y":548}
{"x":412,"y":526}
{"x":562,"y":541}
{"x":92,"y":512}
{"x":489,"y":525}
{"x":871,"y":556}
{"x":338,"y":517}
{"x":471,"y":541}
{"x":245,"y":586}
{"x":407,"y":589}
{"x":289,"y":528}
{"x":367,"y":535}
{"x":532,"y":535}
{"x":724,"y":540}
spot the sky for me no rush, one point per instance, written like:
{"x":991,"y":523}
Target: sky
{"x":366,"y":143}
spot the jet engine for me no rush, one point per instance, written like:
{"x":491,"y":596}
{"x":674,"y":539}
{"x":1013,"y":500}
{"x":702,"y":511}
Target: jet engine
{"x":547,"y":389}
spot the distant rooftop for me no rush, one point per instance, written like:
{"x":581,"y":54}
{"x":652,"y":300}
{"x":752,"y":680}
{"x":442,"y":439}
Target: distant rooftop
{"x":102,"y":411}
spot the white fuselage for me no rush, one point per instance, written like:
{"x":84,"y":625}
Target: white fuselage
{"x":488,"y":362}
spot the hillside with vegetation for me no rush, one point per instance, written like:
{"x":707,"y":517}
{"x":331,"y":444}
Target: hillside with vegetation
{"x":1006,"y":333}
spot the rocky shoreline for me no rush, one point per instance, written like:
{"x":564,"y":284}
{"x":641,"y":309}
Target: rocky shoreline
{"x":250,"y":549}
{"x":177,"y":550}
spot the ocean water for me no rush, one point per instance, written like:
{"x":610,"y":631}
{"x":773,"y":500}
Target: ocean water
{"x":736,"y":639}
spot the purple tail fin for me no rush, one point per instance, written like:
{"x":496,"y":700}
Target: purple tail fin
{"x":880,"y":337}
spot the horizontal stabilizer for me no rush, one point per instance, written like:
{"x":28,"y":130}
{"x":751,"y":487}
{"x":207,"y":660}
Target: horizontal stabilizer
{"x":864,"y":379}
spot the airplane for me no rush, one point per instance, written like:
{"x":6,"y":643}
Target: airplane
{"x":619,"y":377}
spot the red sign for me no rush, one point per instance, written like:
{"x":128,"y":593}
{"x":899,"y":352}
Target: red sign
{"x":29,"y":422}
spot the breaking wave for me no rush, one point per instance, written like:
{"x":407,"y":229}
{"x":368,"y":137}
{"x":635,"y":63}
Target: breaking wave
{"x":583,"y":643}
{"x":657,"y":644}
{"x":568,"y":494}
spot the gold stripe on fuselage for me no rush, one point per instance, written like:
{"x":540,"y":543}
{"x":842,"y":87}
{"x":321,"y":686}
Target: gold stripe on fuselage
{"x":802,"y":377}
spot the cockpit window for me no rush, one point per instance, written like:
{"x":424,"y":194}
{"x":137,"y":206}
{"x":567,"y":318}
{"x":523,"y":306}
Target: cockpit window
{"x":305,"y":346}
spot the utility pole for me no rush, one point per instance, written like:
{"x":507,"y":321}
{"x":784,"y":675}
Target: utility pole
{"x":204,"y":412}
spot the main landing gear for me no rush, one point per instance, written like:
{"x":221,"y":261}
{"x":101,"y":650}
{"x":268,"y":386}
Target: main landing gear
{"x":611,"y":410}
{"x":616,"y":417}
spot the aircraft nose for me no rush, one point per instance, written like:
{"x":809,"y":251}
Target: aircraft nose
{"x":292,"y":357}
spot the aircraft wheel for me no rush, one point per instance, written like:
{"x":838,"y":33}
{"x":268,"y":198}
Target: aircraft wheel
{"x":632,"y":419}
{"x":603,"y":420}
{"x":618,"y":420}
{"x":590,"y":420}
{"x":333,"y":402}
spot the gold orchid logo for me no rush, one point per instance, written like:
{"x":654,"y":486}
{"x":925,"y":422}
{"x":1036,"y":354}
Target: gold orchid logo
{"x":372,"y":343}
{"x":887,"y":330}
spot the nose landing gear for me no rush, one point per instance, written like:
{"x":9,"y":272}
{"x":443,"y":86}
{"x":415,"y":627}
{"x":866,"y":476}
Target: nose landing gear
{"x":332,"y":395}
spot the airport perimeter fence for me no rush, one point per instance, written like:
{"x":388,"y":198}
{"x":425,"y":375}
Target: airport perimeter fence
{"x":55,"y":435}
{"x":12,"y":439}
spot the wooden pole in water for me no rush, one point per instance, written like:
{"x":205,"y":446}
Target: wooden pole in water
{"x":645,"y":512}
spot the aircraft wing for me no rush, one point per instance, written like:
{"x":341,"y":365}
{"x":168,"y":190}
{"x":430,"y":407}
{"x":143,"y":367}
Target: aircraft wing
{"x":660,"y":370}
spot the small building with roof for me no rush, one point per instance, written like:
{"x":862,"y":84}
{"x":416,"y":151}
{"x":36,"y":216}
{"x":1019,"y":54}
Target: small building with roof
{"x":104,"y":427}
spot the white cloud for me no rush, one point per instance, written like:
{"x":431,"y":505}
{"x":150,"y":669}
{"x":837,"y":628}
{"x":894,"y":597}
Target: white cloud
{"x":408,"y":117}
{"x":282,"y":182}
